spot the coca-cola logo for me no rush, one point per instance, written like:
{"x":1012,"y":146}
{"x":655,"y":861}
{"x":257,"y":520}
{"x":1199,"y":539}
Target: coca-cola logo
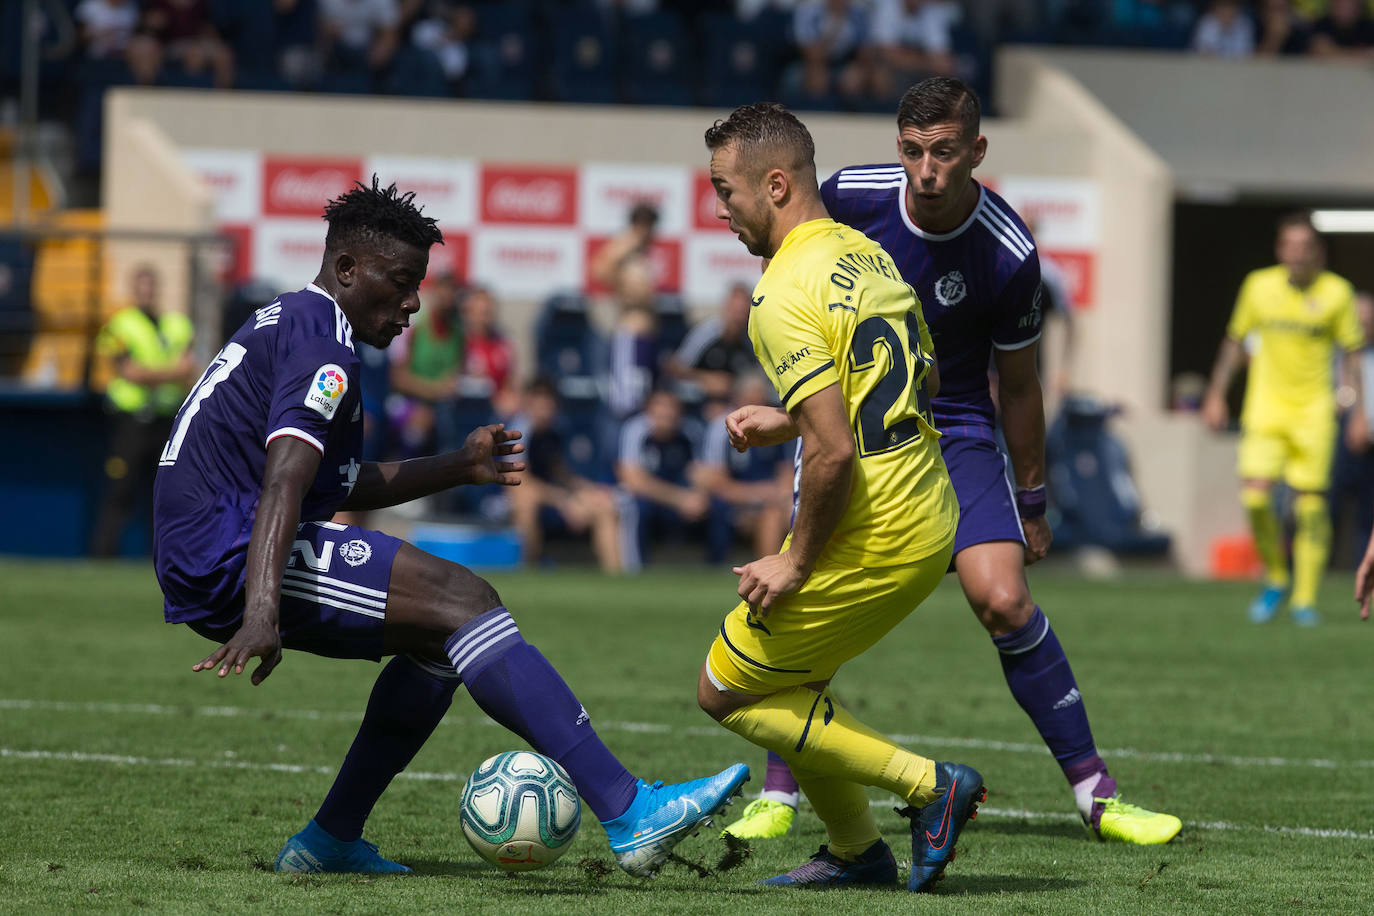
{"x":547,"y":197}
{"x":295,"y":190}
{"x":294,"y":187}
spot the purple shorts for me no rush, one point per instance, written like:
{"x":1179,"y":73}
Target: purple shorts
{"x":987,"y":505}
{"x":333,"y":593}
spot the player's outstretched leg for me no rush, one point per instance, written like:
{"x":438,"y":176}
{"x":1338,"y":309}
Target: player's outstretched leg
{"x":662,"y":816}
{"x":407,"y":702}
{"x":770,"y":816}
{"x":1258,"y":501}
{"x":855,"y":854}
{"x":1311,"y":548}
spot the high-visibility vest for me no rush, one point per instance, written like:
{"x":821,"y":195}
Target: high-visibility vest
{"x":132,"y":332}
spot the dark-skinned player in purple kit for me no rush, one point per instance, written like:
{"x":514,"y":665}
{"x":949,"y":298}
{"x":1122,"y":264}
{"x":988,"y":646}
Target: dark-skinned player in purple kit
{"x":974,"y":267}
{"x":265,"y":450}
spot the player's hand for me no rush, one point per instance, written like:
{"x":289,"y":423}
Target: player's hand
{"x":755,"y":425}
{"x":1364,"y":581}
{"x":1214,"y":412}
{"x":1039,"y":536}
{"x":767,"y":579}
{"x":487,"y":451}
{"x":253,"y":640}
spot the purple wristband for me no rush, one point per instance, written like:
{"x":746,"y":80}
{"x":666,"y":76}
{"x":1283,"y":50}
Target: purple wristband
{"x":1031,"y":501}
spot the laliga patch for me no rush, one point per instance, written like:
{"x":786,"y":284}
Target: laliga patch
{"x":327,"y":390}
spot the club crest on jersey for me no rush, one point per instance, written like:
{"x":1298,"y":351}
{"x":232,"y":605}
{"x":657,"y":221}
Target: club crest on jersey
{"x":951,"y":288}
{"x":327,"y":390}
{"x":356,"y":552}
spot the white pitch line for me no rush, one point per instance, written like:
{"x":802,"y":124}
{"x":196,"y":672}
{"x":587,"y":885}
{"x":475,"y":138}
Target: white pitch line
{"x":695,"y":731}
{"x":7,"y":753}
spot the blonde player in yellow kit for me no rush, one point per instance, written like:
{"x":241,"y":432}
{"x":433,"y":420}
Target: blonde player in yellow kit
{"x":1297,"y":313}
{"x":842,"y":337}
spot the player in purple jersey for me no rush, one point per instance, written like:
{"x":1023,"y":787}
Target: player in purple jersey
{"x":265,"y":449}
{"x":973,"y":265}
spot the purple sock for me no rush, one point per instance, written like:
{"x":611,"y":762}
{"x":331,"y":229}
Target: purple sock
{"x":515,"y":685}
{"x":778,"y":780}
{"x":407,"y":702}
{"x":1042,"y":682}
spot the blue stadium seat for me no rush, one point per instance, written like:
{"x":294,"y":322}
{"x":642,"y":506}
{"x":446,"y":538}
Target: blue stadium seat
{"x":739,"y":59}
{"x":584,"y":56}
{"x":672,"y":325}
{"x":417,"y":72}
{"x":568,"y":349}
{"x":505,"y":53}
{"x":657,"y":60}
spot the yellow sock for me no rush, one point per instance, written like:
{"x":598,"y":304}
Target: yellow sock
{"x":1264,"y":524}
{"x":843,"y":807}
{"x":1311,"y":547}
{"x":813,"y":732}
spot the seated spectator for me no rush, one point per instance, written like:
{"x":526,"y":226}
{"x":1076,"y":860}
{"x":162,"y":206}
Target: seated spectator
{"x":359,"y":35}
{"x":551,"y":498}
{"x":836,"y":60}
{"x":912,"y":40}
{"x":751,"y":491}
{"x":448,"y":34}
{"x":658,"y":499}
{"x":107,"y":29}
{"x":427,"y":363}
{"x":634,"y":339}
{"x":634,"y":241}
{"x":1281,"y":29}
{"x":488,"y":357}
{"x":1224,"y":31}
{"x":716,"y":352}
{"x":1152,"y":23}
{"x":1345,"y":32}
{"x":183,"y":34}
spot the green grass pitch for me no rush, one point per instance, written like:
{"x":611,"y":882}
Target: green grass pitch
{"x":130,"y":783}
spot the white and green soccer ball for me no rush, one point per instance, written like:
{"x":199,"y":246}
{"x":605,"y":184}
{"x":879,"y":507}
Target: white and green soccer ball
{"x":520,"y":810}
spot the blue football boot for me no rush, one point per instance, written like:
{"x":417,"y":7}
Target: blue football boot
{"x":875,"y":866}
{"x":936,"y":827}
{"x":1266,"y":604}
{"x":661,"y":816}
{"x":1306,"y":616}
{"x":314,"y":851}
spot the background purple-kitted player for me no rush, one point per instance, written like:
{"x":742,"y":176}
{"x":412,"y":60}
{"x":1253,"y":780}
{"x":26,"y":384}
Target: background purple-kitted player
{"x":973,"y":265}
{"x":263,"y":452}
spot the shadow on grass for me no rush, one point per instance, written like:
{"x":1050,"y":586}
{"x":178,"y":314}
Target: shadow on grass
{"x":423,"y":867}
{"x":956,"y":885}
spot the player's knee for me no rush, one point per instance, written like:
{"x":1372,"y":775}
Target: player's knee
{"x":1310,"y":507}
{"x":1004,"y":608}
{"x":466,"y":596}
{"x":711,"y":700}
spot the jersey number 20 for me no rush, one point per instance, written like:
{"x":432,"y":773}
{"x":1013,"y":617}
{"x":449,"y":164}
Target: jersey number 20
{"x":875,"y":435}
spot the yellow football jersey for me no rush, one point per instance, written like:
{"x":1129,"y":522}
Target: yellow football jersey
{"x":1290,"y":378}
{"x":832,"y":309}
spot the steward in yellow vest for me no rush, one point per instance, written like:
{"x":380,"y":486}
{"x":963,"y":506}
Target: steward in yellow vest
{"x":153,"y":369}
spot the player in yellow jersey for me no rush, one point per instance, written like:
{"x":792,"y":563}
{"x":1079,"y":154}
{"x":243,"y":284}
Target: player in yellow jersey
{"x":1297,"y":313}
{"x":842,"y":337}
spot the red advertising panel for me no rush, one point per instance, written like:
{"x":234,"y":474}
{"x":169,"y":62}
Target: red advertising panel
{"x":301,"y":186}
{"x":529,"y":196}
{"x":664,"y":254}
{"x":704,"y":204}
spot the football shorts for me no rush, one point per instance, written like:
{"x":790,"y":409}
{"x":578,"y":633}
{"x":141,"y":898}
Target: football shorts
{"x":987,"y":505}
{"x":1300,"y":455}
{"x":333,"y":593}
{"x":837,"y":614}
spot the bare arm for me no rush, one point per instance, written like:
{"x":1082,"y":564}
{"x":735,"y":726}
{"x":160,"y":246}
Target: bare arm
{"x":828,"y":457}
{"x":291,"y":465}
{"x":689,"y":502}
{"x":1357,"y":424}
{"x":183,"y":371}
{"x":382,"y":484}
{"x":1023,"y":425}
{"x":753,"y":425}
{"x":1230,"y":357}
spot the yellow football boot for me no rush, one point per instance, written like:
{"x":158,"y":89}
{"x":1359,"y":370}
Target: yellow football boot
{"x":762,"y":819}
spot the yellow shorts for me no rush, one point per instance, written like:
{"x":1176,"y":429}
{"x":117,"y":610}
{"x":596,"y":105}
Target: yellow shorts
{"x":1300,"y":455}
{"x":806,"y":636}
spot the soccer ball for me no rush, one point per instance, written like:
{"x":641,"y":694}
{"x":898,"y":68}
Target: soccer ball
{"x":520,"y":810}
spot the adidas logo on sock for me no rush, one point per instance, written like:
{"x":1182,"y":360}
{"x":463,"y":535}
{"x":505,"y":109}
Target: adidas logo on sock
{"x":1070,"y":698}
{"x":582,"y":717}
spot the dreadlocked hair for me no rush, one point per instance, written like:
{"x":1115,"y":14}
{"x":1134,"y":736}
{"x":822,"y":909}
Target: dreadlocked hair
{"x":365,"y":214}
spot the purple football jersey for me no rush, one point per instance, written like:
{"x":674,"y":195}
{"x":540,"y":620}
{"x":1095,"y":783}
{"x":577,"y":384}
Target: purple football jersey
{"x":290,"y":370}
{"x":979,"y":285}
